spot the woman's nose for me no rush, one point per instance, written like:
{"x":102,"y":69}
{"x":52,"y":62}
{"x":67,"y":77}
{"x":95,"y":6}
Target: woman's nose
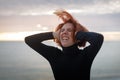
{"x":65,"y":32}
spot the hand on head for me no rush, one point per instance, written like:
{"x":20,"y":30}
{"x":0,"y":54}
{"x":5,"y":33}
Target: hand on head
{"x":65,"y":16}
{"x":56,"y":34}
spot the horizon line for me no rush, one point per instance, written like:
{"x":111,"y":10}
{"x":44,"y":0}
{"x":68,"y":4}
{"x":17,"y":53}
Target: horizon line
{"x":19,"y":36}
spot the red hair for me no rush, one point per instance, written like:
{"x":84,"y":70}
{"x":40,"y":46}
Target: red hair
{"x":67,"y":18}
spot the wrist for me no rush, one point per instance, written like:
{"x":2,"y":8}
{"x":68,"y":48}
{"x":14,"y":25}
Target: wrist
{"x":54,"y":35}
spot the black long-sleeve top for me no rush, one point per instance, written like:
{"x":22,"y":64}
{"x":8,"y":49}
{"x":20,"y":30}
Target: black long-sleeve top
{"x":70,"y":63}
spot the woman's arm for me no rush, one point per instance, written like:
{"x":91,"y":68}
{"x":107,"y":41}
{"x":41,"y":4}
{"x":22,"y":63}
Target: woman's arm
{"x":35,"y":42}
{"x":95,"y":40}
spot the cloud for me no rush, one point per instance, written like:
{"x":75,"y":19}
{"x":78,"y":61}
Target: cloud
{"x":113,"y":6}
{"x":25,"y":15}
{"x":45,"y":7}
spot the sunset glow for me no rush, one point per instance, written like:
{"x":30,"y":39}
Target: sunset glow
{"x":15,"y":36}
{"x":19,"y":36}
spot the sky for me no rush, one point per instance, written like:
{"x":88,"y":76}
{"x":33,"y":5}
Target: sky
{"x":24,"y":17}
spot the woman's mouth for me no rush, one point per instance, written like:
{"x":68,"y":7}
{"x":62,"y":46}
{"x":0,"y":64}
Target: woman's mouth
{"x":65,"y":38}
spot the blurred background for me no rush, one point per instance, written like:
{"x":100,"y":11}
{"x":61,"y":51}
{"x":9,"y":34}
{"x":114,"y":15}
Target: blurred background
{"x":20,"y":18}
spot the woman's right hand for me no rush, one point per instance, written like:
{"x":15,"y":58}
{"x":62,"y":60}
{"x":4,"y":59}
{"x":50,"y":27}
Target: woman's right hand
{"x":56,"y":34}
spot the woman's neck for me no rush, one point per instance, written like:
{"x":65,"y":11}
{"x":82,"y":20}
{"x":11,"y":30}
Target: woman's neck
{"x":71,"y":50}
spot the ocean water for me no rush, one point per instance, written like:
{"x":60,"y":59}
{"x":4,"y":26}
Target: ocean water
{"x":20,"y":62}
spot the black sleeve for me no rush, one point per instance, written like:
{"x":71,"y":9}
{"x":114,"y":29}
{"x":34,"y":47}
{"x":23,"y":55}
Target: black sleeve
{"x":95,"y":40}
{"x":35,"y":42}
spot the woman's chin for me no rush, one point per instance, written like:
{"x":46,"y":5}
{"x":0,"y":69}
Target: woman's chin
{"x":66,"y":44}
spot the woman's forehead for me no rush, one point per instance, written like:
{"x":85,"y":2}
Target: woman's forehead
{"x":68,"y":25}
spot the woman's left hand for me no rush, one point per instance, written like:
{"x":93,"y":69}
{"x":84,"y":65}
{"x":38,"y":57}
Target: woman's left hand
{"x":63,"y":15}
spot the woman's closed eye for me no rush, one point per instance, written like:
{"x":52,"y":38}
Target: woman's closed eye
{"x":62,"y":30}
{"x":69,"y":30}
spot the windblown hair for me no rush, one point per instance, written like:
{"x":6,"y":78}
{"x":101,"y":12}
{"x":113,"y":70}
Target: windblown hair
{"x":67,"y":18}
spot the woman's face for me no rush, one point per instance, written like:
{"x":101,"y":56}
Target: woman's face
{"x":67,"y":35}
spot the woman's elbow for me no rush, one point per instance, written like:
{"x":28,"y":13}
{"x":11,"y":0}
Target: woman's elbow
{"x":100,"y":38}
{"x":27,"y":40}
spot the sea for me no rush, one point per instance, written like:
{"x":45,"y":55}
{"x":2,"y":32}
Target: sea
{"x":19,"y":62}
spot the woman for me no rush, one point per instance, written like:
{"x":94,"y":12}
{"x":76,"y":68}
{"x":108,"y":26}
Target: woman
{"x":71,"y":62}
